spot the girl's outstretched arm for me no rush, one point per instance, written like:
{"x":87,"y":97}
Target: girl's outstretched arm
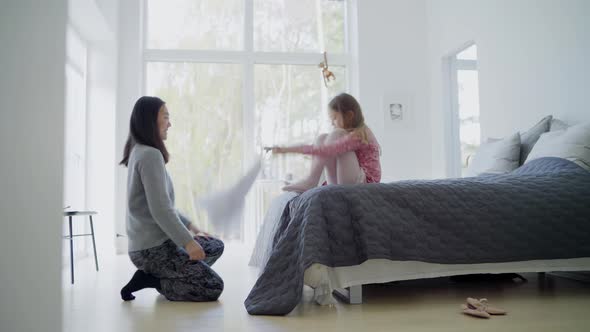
{"x":347,"y":143}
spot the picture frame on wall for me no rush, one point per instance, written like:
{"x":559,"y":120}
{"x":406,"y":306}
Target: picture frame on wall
{"x":396,"y":111}
{"x":396,"y":108}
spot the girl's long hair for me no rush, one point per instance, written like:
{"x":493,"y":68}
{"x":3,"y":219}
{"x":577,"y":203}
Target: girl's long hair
{"x":344,"y":103}
{"x":143,"y":127}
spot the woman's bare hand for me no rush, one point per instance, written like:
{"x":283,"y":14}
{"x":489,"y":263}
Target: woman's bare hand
{"x":194,"y":251}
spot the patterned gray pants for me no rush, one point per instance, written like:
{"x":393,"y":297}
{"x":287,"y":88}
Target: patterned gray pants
{"x":182,"y":279}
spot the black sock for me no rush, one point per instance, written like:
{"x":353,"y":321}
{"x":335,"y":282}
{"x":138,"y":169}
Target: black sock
{"x":139,"y":281}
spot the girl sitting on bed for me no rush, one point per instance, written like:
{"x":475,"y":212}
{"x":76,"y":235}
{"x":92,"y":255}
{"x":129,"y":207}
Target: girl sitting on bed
{"x":349,"y":154}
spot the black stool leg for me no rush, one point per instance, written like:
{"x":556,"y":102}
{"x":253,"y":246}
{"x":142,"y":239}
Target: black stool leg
{"x":93,"y":242}
{"x":71,"y":250}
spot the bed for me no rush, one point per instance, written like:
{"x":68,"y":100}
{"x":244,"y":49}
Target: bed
{"x":534,"y":219}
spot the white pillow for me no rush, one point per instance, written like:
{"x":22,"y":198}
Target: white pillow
{"x":501,"y":156}
{"x":572,"y":144}
{"x":530,"y":137}
{"x":557,"y":124}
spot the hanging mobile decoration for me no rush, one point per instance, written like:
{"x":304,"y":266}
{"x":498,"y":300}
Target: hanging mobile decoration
{"x":326,"y":73}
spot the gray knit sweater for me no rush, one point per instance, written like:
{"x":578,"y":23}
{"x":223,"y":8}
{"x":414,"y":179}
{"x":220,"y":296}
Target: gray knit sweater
{"x":151,"y":216}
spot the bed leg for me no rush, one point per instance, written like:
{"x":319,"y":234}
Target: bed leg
{"x":351,"y":295}
{"x":355,"y":293}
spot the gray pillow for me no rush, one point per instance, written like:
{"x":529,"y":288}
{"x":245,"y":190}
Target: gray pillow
{"x":497,"y":157}
{"x":531,"y":136}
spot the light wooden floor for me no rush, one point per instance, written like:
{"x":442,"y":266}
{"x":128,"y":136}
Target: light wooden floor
{"x":93,"y":304}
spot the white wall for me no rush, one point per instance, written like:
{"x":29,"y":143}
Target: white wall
{"x":532,"y":62}
{"x":392,"y":51}
{"x":129,"y":89}
{"x":32,"y":62}
{"x":532,"y":59}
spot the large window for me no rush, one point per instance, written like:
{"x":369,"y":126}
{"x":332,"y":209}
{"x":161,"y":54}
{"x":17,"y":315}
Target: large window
{"x":238,"y":75}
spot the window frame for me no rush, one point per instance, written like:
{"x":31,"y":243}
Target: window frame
{"x":454,"y":164}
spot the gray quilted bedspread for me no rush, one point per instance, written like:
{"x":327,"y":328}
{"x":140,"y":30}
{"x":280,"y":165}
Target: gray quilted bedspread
{"x":539,"y":211}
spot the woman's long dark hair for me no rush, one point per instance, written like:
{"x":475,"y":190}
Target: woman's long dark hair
{"x":143,"y":127}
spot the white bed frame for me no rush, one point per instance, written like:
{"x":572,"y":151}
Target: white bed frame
{"x":346,"y":282}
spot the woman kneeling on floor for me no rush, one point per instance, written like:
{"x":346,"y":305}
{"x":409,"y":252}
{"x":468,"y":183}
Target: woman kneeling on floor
{"x":167,"y":256}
